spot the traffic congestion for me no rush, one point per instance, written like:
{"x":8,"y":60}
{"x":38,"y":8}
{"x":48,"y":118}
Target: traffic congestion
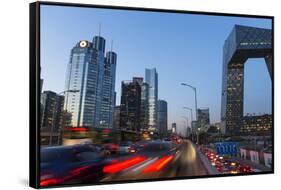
{"x":226,"y":164}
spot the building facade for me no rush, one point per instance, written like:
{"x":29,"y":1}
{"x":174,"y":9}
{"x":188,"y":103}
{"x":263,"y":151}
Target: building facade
{"x":194,"y":127}
{"x":90,"y":84}
{"x":130,"y":108}
{"x":144,"y":103}
{"x":243,"y":42}
{"x":162,"y":117}
{"x":108,"y":91}
{"x":257,"y":125}
{"x":151,"y":78}
{"x":203,"y":118}
{"x":51,"y":118}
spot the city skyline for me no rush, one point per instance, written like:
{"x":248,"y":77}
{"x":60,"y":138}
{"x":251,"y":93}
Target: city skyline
{"x":207,"y":83}
{"x":138,"y":95}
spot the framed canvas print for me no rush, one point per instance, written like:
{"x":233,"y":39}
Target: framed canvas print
{"x":121,"y":94}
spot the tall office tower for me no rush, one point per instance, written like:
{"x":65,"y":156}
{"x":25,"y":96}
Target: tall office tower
{"x":174,"y":128}
{"x":52,"y":117}
{"x":203,"y":118}
{"x":130,"y":107}
{"x":108,"y":91}
{"x":89,"y":87}
{"x":144,"y":102}
{"x":151,"y":78}
{"x":162,"y":117}
{"x":242,"y":43}
{"x":99,"y":46}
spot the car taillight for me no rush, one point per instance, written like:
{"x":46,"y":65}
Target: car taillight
{"x":158,"y":164}
{"x":132,"y":151}
{"x":116,"y":167}
{"x":50,"y":181}
{"x":78,"y":170}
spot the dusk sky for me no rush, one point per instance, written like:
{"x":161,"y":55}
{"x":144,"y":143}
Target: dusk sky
{"x":182,"y":48}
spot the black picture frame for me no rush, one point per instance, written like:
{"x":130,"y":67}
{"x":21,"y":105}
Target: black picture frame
{"x":34,"y":88}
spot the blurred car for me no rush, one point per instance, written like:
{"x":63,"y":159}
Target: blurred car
{"x":141,"y":144}
{"x":71,"y":164}
{"x":245,"y":169}
{"x":126,"y":147}
{"x":157,"y":149}
{"x":111,"y":148}
{"x":167,"y":139}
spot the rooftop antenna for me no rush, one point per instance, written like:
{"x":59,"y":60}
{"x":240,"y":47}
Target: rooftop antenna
{"x":99,"y":29}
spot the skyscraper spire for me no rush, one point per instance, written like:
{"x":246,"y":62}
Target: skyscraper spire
{"x":111,"y":45}
{"x":99,"y":28}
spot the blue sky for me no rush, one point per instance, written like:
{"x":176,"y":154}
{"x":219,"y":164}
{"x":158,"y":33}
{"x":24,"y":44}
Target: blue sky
{"x":182,"y":47}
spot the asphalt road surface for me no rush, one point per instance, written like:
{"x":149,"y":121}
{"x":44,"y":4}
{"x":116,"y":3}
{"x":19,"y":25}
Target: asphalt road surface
{"x":185,"y":163}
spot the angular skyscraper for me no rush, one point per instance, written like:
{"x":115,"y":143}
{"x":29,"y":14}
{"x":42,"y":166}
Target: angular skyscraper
{"x":151,"y":78}
{"x":90,"y":83}
{"x":242,"y":43}
{"x":162,"y":117}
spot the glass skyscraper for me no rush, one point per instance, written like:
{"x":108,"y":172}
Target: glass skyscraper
{"x":90,"y":84}
{"x":151,"y":78}
{"x":162,"y":117}
{"x":130,"y":108}
{"x":108,"y":91}
{"x":144,"y":102}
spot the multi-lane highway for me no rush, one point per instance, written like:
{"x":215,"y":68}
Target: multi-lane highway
{"x":158,"y":159}
{"x":185,"y":162}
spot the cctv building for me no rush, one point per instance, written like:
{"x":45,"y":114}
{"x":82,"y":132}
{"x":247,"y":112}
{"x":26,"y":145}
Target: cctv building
{"x":90,"y":84}
{"x":243,"y":43}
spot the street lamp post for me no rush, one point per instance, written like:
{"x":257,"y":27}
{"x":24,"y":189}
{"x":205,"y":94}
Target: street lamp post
{"x":195,"y":98}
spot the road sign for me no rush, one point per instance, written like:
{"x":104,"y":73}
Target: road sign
{"x":226,"y":148}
